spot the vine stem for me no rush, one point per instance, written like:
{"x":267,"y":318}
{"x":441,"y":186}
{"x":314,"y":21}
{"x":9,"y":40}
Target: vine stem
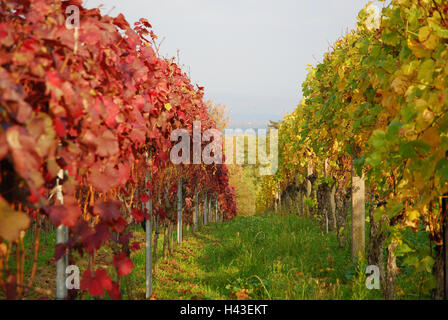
{"x":36,"y":254}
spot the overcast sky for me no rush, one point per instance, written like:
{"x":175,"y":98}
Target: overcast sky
{"x":250,"y":55}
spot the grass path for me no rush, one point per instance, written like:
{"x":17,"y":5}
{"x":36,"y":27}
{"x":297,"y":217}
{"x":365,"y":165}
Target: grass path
{"x":259,"y":257}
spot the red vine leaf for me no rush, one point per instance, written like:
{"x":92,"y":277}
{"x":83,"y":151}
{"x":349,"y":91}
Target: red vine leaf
{"x":108,"y":211}
{"x":97,"y":283}
{"x":123,"y":264}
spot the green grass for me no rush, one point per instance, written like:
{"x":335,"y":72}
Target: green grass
{"x":48,"y":243}
{"x":45,"y":268}
{"x":268,"y":257}
{"x":46,"y":251}
{"x":258,"y":257}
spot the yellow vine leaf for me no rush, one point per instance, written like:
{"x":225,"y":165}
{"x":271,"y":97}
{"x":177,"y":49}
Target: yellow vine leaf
{"x":11,"y":222}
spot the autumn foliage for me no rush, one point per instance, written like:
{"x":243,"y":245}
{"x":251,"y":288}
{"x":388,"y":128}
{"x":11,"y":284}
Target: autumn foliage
{"x":97,"y":104}
{"x":378,"y":100}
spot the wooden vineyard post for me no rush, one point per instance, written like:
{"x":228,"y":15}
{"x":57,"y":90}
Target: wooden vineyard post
{"x":276,"y":202}
{"x":179,"y":211}
{"x":156,"y":226}
{"x":148,"y":248}
{"x":196,"y":214}
{"x":61,"y":265}
{"x":445,"y":245}
{"x":279,"y":198}
{"x":205,"y":210}
{"x":216,"y":210}
{"x":309,"y":187}
{"x":61,"y":237}
{"x":200,"y":214}
{"x":358,"y":214}
{"x":210,"y":215}
{"x":445,"y":242}
{"x":301,"y":213}
{"x":66,"y":238}
{"x":331,"y":192}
